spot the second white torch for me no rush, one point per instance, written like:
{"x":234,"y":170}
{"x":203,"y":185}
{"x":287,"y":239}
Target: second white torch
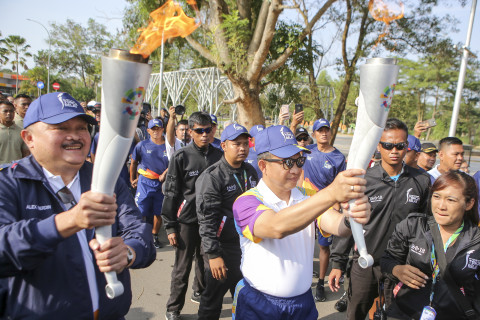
{"x":124,"y":79}
{"x":378,"y":78}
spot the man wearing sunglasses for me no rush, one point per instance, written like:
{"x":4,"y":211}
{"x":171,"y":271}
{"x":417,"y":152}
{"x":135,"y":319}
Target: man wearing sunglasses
{"x":221,"y":184}
{"x":277,"y":233}
{"x":302,"y":137}
{"x":321,"y":168}
{"x":394,"y":190}
{"x":179,"y":210}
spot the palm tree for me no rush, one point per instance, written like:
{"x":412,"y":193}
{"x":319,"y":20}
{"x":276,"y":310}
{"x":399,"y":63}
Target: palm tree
{"x":17,"y":47}
{"x":3,"y":51}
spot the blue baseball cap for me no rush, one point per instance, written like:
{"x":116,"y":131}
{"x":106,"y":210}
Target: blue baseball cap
{"x":232,"y":132}
{"x":320,"y":123}
{"x":279,"y":141}
{"x":256,"y":129}
{"x":214,"y":119}
{"x":414,"y":144}
{"x":55,"y":108}
{"x":155,"y":123}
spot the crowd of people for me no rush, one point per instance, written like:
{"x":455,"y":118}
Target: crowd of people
{"x":247,"y":208}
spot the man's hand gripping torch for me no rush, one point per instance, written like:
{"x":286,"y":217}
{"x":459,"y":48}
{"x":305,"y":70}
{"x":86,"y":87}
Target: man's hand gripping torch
{"x":377,"y":85}
{"x":124,"y":80}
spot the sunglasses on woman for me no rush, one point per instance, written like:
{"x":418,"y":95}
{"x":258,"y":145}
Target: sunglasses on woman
{"x":390,"y":146}
{"x":289,"y":162}
{"x":203,"y":130}
{"x":302,"y":139}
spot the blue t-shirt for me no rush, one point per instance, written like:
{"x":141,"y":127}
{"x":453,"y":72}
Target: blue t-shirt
{"x":216,"y":143}
{"x":252,"y":160}
{"x":321,"y":168}
{"x":151,"y":156}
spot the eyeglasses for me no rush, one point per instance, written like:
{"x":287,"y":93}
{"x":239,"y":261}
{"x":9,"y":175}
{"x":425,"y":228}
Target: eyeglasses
{"x":390,"y":146}
{"x":289,"y":162}
{"x":203,"y":130}
{"x":302,"y":139}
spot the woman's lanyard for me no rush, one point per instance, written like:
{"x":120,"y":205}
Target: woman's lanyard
{"x":244,"y":178}
{"x":433,"y":259}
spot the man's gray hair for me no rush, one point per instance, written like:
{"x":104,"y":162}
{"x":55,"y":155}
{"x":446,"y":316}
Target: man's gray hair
{"x":264,"y":155}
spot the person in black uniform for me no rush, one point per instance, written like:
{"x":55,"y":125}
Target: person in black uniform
{"x":179,"y":210}
{"x":394,"y":190}
{"x":221,"y":184}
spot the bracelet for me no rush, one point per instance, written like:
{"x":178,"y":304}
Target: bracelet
{"x":346,"y":220}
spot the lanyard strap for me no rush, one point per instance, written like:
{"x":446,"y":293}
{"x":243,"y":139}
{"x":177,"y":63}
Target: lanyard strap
{"x":244,"y":179}
{"x":433,"y":259}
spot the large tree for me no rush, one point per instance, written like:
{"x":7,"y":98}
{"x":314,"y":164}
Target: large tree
{"x":77,"y":47}
{"x":236,"y":37}
{"x":17,"y":47}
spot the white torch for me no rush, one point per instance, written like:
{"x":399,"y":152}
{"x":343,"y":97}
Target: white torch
{"x":124,"y":79}
{"x":378,"y":78}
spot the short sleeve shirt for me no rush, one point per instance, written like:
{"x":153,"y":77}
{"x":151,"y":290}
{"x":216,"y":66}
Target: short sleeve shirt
{"x":152,"y":158}
{"x":279,"y":267}
{"x":321,"y":168}
{"x":11,"y":143}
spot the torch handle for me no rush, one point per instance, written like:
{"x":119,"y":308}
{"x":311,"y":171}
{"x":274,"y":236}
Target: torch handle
{"x":114,"y":288}
{"x":365,"y":260}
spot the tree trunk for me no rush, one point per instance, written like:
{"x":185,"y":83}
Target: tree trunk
{"x":341,"y":103}
{"x":249,"y":108}
{"x":314,"y":94}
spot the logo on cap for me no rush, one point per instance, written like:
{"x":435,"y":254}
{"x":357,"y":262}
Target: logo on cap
{"x":237,"y":127}
{"x":287,"y":135}
{"x":69,"y":103}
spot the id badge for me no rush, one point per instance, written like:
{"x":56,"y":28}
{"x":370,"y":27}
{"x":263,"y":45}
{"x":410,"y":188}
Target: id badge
{"x":428,"y":313}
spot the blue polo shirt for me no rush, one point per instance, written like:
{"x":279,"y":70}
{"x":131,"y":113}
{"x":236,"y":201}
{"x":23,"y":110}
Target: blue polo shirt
{"x":151,"y":156}
{"x":321,"y":168}
{"x":252,"y":159}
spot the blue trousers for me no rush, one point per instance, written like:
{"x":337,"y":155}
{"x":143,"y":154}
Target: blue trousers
{"x":251,"y":304}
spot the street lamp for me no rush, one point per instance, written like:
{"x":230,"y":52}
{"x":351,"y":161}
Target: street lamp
{"x":49,"y":53}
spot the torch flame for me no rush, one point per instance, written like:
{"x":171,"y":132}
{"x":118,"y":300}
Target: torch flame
{"x":386,"y":13}
{"x":168,"y":21}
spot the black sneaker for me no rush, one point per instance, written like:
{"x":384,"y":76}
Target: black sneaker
{"x":342,"y":303}
{"x":196,"y":297}
{"x":320,"y":294}
{"x":172,"y":315}
{"x":157,"y":242}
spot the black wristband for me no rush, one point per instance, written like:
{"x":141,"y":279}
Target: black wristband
{"x":347,"y":222}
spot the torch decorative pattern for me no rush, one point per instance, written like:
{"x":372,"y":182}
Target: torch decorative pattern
{"x":124,"y":77}
{"x":378,"y":78}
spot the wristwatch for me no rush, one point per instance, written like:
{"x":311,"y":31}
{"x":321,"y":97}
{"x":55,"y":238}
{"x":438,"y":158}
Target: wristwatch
{"x":129,"y":256}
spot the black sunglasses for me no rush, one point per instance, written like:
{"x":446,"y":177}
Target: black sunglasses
{"x":289,"y":162}
{"x":390,"y":146}
{"x":302,"y":139}
{"x":203,"y":130}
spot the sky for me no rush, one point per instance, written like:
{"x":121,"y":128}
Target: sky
{"x":14,"y":15}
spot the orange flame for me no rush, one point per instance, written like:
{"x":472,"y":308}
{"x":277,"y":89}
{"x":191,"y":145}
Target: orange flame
{"x":169,"y":20}
{"x":386,"y":13}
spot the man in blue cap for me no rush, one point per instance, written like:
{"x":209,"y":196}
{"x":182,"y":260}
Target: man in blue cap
{"x":275,"y":221}
{"x":252,"y":154}
{"x":321,"y":168}
{"x":48,"y":254}
{"x":413,"y":150}
{"x":215,"y":141}
{"x":148,"y":170}
{"x":221,"y":184}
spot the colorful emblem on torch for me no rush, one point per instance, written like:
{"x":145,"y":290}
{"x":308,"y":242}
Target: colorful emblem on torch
{"x":133,"y":97}
{"x":387,"y":95}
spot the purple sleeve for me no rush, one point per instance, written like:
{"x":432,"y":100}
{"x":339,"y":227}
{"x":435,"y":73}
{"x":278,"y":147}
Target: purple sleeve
{"x":136,"y":152}
{"x":246,"y":210}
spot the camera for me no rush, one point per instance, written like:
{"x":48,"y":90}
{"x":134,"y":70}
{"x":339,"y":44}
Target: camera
{"x":180,"y":110}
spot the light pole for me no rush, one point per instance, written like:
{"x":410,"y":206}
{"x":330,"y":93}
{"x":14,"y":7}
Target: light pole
{"x":49,"y":53}
{"x":461,"y":76}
